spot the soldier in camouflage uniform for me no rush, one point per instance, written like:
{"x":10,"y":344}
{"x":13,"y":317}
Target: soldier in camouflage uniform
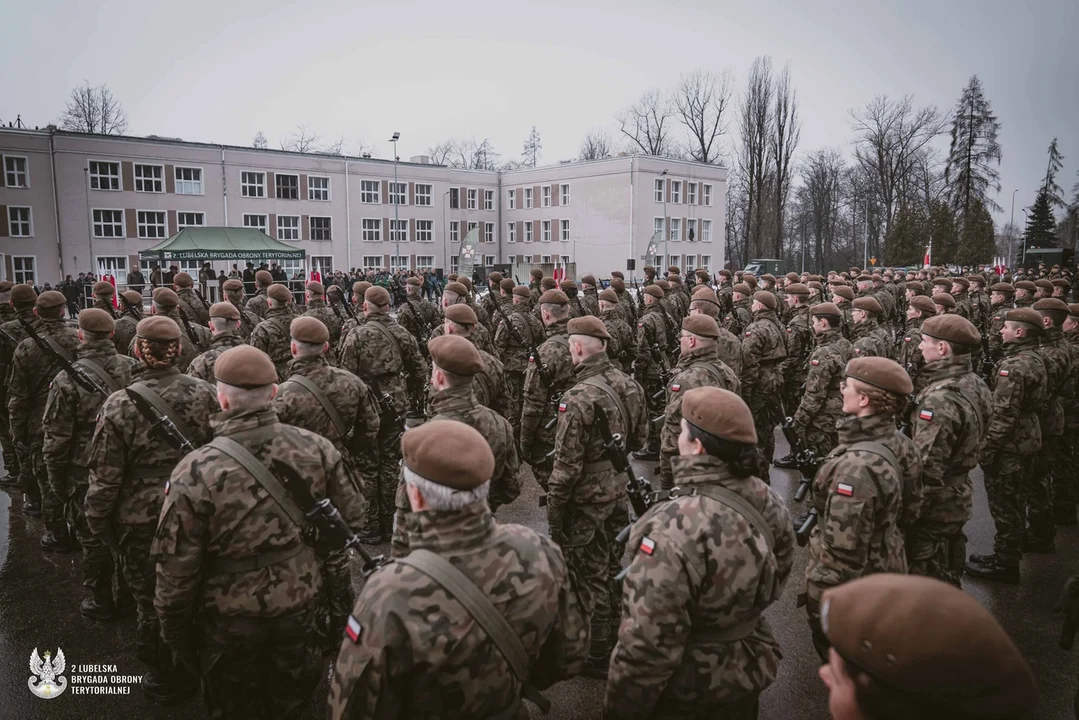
{"x":547,"y":283}
{"x":397,"y":658}
{"x":688,"y":646}
{"x":385,"y":356}
{"x":194,"y":339}
{"x":481,"y":314}
{"x":622,"y":348}
{"x":842,"y":297}
{"x":490,"y":383}
{"x":867,"y":335}
{"x":887,"y":302}
{"x":919,"y":309}
{"x":417,"y":315}
{"x":104,"y":292}
{"x":800,"y":337}
{"x":1002,"y":300}
{"x":19,"y":304}
{"x":240,"y":585}
{"x":491,"y":299}
{"x":672,"y":316}
{"x":535,"y":286}
{"x":234,"y":293}
{"x":540,"y":399}
{"x":945,"y":303}
{"x":586,"y":499}
{"x":128,"y":464}
{"x":257,"y":305}
{"x":821,"y":404}
{"x":1024,"y":293}
{"x":625,"y":301}
{"x":455,"y":366}
{"x":28,"y":390}
{"x":1019,"y":385}
{"x":739,"y":317}
{"x":271,"y":336}
{"x":358,"y":318}
{"x":1049,"y":463}
{"x":7,"y":312}
{"x":728,"y":346}
{"x":225,"y":329}
{"x":190,"y":303}
{"x":68,"y":425}
{"x":590,"y":295}
{"x":763,"y":349}
{"x":457,"y":294}
{"x":725,"y":293}
{"x":950,"y":420}
{"x":1066,"y":492}
{"x":315,"y":295}
{"x":130,"y":314}
{"x":576,"y":308}
{"x":866,"y":490}
{"x":698,"y":366}
{"x":513,"y":343}
{"x":650,"y":365}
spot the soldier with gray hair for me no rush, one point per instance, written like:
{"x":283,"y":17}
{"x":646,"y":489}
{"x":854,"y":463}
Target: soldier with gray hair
{"x":225,"y":329}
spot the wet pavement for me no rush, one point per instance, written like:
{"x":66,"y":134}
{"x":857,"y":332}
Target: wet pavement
{"x":40,"y":593}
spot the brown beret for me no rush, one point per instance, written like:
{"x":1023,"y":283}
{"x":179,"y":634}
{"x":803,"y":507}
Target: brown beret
{"x":568,"y":285}
{"x":414,"y":281}
{"x":461,"y":314}
{"x":915,"y":287}
{"x":590,"y":279}
{"x":495,"y":277}
{"x":769,"y":277}
{"x":263,"y":278}
{"x":333,"y":290}
{"x":880,"y":372}
{"x":245,"y":366}
{"x":452,"y":277}
{"x":23,"y":294}
{"x":1061,"y":282}
{"x":930,"y":640}
{"x":103,"y":287}
{"x":923,"y":303}
{"x":133,"y":296}
{"x":766,"y":299}
{"x":618,"y":283}
{"x":1073,"y":310}
{"x":307,"y":329}
{"x":743,"y":288}
{"x":455,"y":354}
{"x":449,"y":453}
{"x":942,"y":282}
{"x":522,"y":291}
{"x":792,"y":276}
{"x":944,"y":300}
{"x":1051,"y":304}
{"x":1026,"y":285}
{"x":279,"y":292}
{"x":618,"y":274}
{"x":1003,"y":287}
{"x":454,"y":287}
{"x":826,"y":308}
{"x":961,"y":282}
{"x":702,"y":274}
{"x":797,"y":288}
{"x":868,"y":303}
{"x":649,"y":269}
{"x":377,"y":295}
{"x":165,"y":297}
{"x":315,"y":288}
{"x":536,"y":273}
{"x":865,"y":277}
{"x":724,"y":273}
{"x":360,"y":287}
{"x":1043,"y":284}
{"x":702,"y":325}
{"x":589,"y":325}
{"x":554,"y":297}
{"x":6,"y":285}
{"x":674,"y":269}
{"x":182,"y":279}
{"x":654,"y":290}
{"x":976,"y":278}
{"x":233,"y":284}
{"x":224,"y":310}
{"x":507,"y":285}
{"x":664,"y":285}
{"x":844,"y":291}
{"x":159,"y":328}
{"x":952,"y":328}
{"x":720,"y":413}
{"x":466,"y":281}
{"x":548,"y":283}
{"x":50,"y":299}
{"x":705,"y":294}
{"x":96,"y":320}
{"x":609,"y":295}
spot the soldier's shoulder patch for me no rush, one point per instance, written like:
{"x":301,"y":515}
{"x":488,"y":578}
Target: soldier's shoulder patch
{"x":788,"y":329}
{"x":906,"y":339}
{"x":926,"y":414}
{"x":845,"y":489}
{"x":640,"y":324}
{"x":353,"y":629}
{"x":676,"y":387}
{"x":814,"y":362}
{"x":168,"y":486}
{"x":857,"y":351}
{"x":749,"y":334}
{"x":648,"y":545}
{"x":1004,"y":373}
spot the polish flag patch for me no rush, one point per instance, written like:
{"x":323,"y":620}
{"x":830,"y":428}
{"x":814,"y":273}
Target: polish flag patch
{"x":814,"y":362}
{"x":749,"y":334}
{"x":906,"y":339}
{"x":675,"y":388}
{"x":561,"y":407}
{"x":353,"y":629}
{"x":168,"y":484}
{"x":926,"y":415}
{"x":648,"y":545}
{"x":1004,"y":373}
{"x":845,"y":489}
{"x":531,"y":359}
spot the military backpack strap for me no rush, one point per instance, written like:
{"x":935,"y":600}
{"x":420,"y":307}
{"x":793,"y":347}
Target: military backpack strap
{"x":389,"y":336}
{"x":483,"y":611}
{"x":335,"y":417}
{"x":150,"y":395}
{"x":102,"y":375}
{"x":262,"y":475}
{"x":881,"y":451}
{"x":598,"y":382}
{"x":742,"y":506}
{"x":57,"y":347}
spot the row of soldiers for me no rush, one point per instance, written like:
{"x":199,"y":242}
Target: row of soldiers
{"x":567,"y":381}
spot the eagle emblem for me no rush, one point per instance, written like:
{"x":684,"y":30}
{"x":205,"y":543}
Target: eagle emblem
{"x":46,"y":682}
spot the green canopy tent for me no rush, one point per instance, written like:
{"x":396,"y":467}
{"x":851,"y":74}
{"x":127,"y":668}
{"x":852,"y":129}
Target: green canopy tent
{"x":221,"y":243}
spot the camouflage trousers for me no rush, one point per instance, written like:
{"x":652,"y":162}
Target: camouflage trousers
{"x":589,"y":563}
{"x":792,"y":394}
{"x":11,"y":456}
{"x":656,"y":406}
{"x":938,"y":551}
{"x":617,"y":521}
{"x":666,"y":475}
{"x":258,"y":667}
{"x":763,"y":407}
{"x":399,"y":540}
{"x":1006,"y":484}
{"x":383,"y":486}
{"x":52,"y":506}
{"x":97,"y":562}
{"x":819,"y":440}
{"x":1066,"y":487}
{"x":140,"y":571}
{"x":1046,"y":467}
{"x":542,"y":469}
{"x":515,"y":382}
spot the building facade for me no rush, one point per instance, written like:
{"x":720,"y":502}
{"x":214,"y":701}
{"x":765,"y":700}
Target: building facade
{"x":72,"y":202}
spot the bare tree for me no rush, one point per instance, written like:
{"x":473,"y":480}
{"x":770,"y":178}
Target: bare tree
{"x":466,"y":154}
{"x":94,"y":110}
{"x":786,"y":131}
{"x":702,"y":99}
{"x":301,"y":139}
{"x":440,"y":154}
{"x":755,"y":127}
{"x":533,"y":145}
{"x":259,"y":141}
{"x":647,"y":123}
{"x":596,"y":145}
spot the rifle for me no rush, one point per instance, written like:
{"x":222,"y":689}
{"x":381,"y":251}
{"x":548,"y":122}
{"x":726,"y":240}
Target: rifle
{"x":385,"y":403}
{"x":160,"y":424}
{"x":640,"y":298}
{"x":9,"y":339}
{"x":187,"y":326}
{"x":905,"y":418}
{"x":665,"y":371}
{"x":803,"y":529}
{"x":78,"y":374}
{"x":806,"y":459}
{"x":129,"y":307}
{"x":347,"y":304}
{"x":541,"y":368}
{"x":638,"y":489}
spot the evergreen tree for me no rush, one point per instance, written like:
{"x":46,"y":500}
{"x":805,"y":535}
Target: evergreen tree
{"x":532,"y":148}
{"x":943,"y":232}
{"x":971,"y":172}
{"x":1049,"y":186}
{"x":977,"y":239}
{"x":907,"y":237}
{"x":260,"y":141}
{"x":1041,"y":226}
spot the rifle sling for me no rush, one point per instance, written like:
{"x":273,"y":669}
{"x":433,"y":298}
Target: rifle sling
{"x":742,"y":506}
{"x":261,"y":474}
{"x":150,"y":395}
{"x":389,"y":336}
{"x":483,"y":611}
{"x":102,"y":375}
{"x":57,"y":347}
{"x":598,"y":382}
{"x":327,"y":404}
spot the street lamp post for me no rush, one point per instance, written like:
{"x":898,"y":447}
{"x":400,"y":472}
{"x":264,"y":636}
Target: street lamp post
{"x":1012,"y":229}
{"x":394,"y":194}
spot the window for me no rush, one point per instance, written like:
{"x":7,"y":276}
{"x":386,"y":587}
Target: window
{"x":706,"y":231}
{"x":676,"y":229}
{"x":455,"y":231}
{"x":691,"y":233}
{"x":398,"y":230}
{"x":528,"y":198}
{"x":455,"y":198}
{"x":488,"y":232}
{"x":288,"y":227}
{"x":546,"y":230}
{"x":488,"y":260}
{"x":564,"y":200}
{"x":320,"y":228}
{"x":488,"y":199}
{"x":425,"y":231}
{"x":23,"y":269}
{"x":149,"y":178}
{"x":318,"y":187}
{"x":472,"y":226}
{"x":115,"y":265}
{"x":151,"y":224}
{"x":398,"y":193}
{"x":108,"y":223}
{"x":691,"y":193}
{"x":691,"y":263}
{"x":190,"y":219}
{"x":322,"y":263}
{"x":472,"y":199}
{"x":659,"y":189}
{"x":565,"y":259}
{"x":372,"y":230}
{"x":546,"y":259}
{"x":545,"y":196}
{"x":425,"y":261}
{"x":256,"y":221}
{"x":423,"y":195}
{"x":657,"y":226}
{"x":454,"y":263}
{"x":15,"y":172}
{"x":188,"y":181}
{"x":706,"y":195}
{"x":511,"y":259}
{"x":399,"y":262}
{"x":369,"y":191}
{"x":253,"y":184}
{"x":565,"y":230}
{"x":676,"y":191}
{"x":104,"y":175}
{"x":706,"y":262}
{"x":287,"y":186}
{"x":511,"y":232}
{"x":511,"y":199}
{"x":372,"y":261}
{"x":675,"y":260}
{"x":528,"y":231}
{"x":19,"y":222}
{"x":291,"y":266}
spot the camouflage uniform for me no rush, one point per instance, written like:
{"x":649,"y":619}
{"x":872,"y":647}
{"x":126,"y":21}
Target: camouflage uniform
{"x":688,"y":646}
{"x":248,"y":322}
{"x":196,"y":310}
{"x":191,"y":346}
{"x":538,"y":400}
{"x":480,"y":337}
{"x":128,"y":467}
{"x":950,"y":418}
{"x":257,"y":305}
{"x":996,"y":324}
{"x":317,"y":308}
{"x":272,"y":336}
{"x":398,"y":370}
{"x":847,"y":325}
{"x":1048,"y":464}
{"x":628,"y":305}
{"x":648,"y":370}
{"x":28,"y":390}
{"x":910,"y":353}
{"x":515,"y":356}
{"x":622,"y":347}
{"x":860,"y":499}
{"x":125,"y":331}
{"x":586,"y":499}
{"x":490,"y":384}
{"x":963,"y":305}
{"x":739,"y":317}
{"x":202,"y":367}
{"x":413,"y":317}
{"x":590,"y":300}
{"x":725,"y":295}
{"x":822,"y":405}
{"x":1067,"y":489}
{"x":763,"y":349}
{"x":240,"y":592}
{"x":870,"y":339}
{"x":16,"y":463}
{"x":408,"y":662}
{"x":700,"y":367}
{"x":793,"y":369}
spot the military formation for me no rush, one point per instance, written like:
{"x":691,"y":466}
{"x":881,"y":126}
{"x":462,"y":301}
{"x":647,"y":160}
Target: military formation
{"x":223,"y":468}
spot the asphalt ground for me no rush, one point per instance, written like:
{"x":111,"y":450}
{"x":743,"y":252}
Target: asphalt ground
{"x":40,"y":594}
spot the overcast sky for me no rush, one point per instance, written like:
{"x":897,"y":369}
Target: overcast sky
{"x":221,"y":71}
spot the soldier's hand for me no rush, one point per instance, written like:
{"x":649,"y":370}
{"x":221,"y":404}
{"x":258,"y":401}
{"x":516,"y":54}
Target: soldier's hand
{"x":1069,"y":605}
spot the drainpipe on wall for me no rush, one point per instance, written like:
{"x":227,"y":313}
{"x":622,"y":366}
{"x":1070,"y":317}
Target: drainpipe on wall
{"x":55,"y":203}
{"x":632,"y":253}
{"x":224,"y":187}
{"x":498,"y":228}
{"x":348,"y":222}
